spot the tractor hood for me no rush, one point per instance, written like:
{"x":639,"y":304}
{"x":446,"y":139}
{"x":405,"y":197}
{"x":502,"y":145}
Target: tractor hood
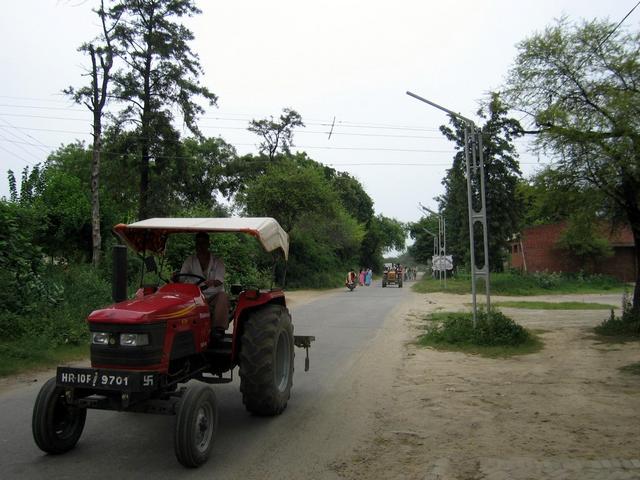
{"x":167,"y":303}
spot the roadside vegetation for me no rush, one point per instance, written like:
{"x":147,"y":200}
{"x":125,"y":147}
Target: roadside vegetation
{"x":553,"y":305}
{"x":633,"y":369}
{"x":495,"y":334}
{"x":626,"y":326}
{"x":517,"y":284}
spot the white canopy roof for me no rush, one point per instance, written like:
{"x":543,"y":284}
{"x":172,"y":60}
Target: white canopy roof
{"x":151,"y":234}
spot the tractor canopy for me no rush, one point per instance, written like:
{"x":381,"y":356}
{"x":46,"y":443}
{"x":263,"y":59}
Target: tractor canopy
{"x":151,"y":234}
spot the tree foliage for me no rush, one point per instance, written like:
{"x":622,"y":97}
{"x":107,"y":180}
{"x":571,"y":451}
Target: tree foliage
{"x":324,"y":238}
{"x":160,"y":73}
{"x":382,"y":235}
{"x":580,"y":84}
{"x":277,"y":135}
{"x":424,"y":231}
{"x":552,"y":196}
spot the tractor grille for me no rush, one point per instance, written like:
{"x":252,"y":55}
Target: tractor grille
{"x":129,"y":356}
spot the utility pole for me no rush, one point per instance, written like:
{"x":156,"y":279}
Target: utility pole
{"x":475,"y":190}
{"x":435,"y":244}
{"x":442,"y":244}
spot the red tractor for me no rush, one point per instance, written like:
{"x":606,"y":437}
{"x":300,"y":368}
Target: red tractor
{"x":143,"y":349}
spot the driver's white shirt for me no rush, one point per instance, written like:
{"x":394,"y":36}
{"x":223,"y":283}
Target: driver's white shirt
{"x":214,"y":271}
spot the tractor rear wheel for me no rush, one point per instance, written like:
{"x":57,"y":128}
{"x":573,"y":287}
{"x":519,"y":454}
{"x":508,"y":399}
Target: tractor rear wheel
{"x":196,"y":425}
{"x":55,"y":424}
{"x":266,"y":360}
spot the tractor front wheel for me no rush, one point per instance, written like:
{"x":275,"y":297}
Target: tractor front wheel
{"x":55,"y":424}
{"x":266,"y":360}
{"x":196,"y":425}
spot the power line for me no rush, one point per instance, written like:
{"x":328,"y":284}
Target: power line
{"x":15,"y":155}
{"x":617,"y":26}
{"x":25,"y":134}
{"x":382,"y":149}
{"x":301,"y":132}
{"x":225,"y":115}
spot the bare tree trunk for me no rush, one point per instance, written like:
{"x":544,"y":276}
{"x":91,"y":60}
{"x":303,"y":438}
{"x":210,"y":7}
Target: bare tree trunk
{"x":96,"y":238}
{"x":143,"y":208}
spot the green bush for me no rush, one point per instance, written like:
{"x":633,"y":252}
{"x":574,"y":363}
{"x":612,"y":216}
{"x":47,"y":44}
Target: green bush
{"x":627,"y":324}
{"x":56,"y":311}
{"x":514,"y":283}
{"x":492,"y":329}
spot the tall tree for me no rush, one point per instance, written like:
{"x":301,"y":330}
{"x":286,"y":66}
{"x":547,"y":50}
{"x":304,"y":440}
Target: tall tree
{"x":424,"y":232}
{"x":580,"y":84}
{"x":502,"y":172}
{"x":276,"y":134}
{"x":324,"y":238}
{"x":94,"y":96}
{"x":382,"y":234}
{"x":162,"y":72}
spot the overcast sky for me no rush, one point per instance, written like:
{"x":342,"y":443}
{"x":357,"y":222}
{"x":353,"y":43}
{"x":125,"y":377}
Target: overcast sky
{"x":352,"y":60}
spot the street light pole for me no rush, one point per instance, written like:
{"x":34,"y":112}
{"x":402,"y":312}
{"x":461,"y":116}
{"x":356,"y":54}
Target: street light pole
{"x":435,"y":244}
{"x":442,"y":244}
{"x":475,"y":185}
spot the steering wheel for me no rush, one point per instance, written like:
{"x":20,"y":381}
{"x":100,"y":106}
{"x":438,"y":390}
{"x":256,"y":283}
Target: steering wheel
{"x":200,"y":278}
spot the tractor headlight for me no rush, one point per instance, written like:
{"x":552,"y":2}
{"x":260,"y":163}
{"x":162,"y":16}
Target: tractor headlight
{"x":134,"y":339}
{"x":100,"y":338}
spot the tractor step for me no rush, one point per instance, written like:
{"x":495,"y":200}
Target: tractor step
{"x":214,"y":379}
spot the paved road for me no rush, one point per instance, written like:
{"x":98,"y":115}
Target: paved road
{"x":293,"y":445}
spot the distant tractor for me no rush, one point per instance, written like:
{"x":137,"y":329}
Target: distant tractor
{"x":144,"y":349}
{"x":392,"y":275}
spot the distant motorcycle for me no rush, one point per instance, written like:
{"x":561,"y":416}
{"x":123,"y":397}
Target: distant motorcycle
{"x":350,"y":283}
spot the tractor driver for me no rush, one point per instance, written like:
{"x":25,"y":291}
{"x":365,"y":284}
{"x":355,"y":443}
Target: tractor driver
{"x":206,"y":265}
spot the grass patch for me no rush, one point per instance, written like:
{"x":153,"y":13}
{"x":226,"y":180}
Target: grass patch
{"x":25,"y":355}
{"x":554,"y":305}
{"x":633,"y":369}
{"x":511,"y":284}
{"x":495,"y":334}
{"x":436,"y":316}
{"x":532,"y":345}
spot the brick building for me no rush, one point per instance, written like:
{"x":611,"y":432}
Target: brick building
{"x":535,"y":251}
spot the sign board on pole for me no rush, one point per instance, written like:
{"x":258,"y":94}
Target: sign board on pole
{"x":442,"y":262}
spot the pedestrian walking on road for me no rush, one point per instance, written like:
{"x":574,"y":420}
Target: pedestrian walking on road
{"x":367,"y":278}
{"x":361,"y":279}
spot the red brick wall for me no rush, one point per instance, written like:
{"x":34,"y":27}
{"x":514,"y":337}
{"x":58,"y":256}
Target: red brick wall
{"x":540,"y":254}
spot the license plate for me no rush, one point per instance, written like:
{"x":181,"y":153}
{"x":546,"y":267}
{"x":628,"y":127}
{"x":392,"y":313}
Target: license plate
{"x":105,"y":379}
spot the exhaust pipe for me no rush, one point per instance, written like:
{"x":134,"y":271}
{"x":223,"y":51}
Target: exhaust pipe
{"x":119,"y":279}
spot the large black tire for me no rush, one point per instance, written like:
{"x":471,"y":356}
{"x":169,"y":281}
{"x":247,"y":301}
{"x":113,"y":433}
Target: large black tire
{"x":196,"y":425}
{"x":266,"y":360}
{"x":56,"y":426}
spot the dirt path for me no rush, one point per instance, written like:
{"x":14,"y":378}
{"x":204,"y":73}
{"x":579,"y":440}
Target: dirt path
{"x":564,"y":412}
